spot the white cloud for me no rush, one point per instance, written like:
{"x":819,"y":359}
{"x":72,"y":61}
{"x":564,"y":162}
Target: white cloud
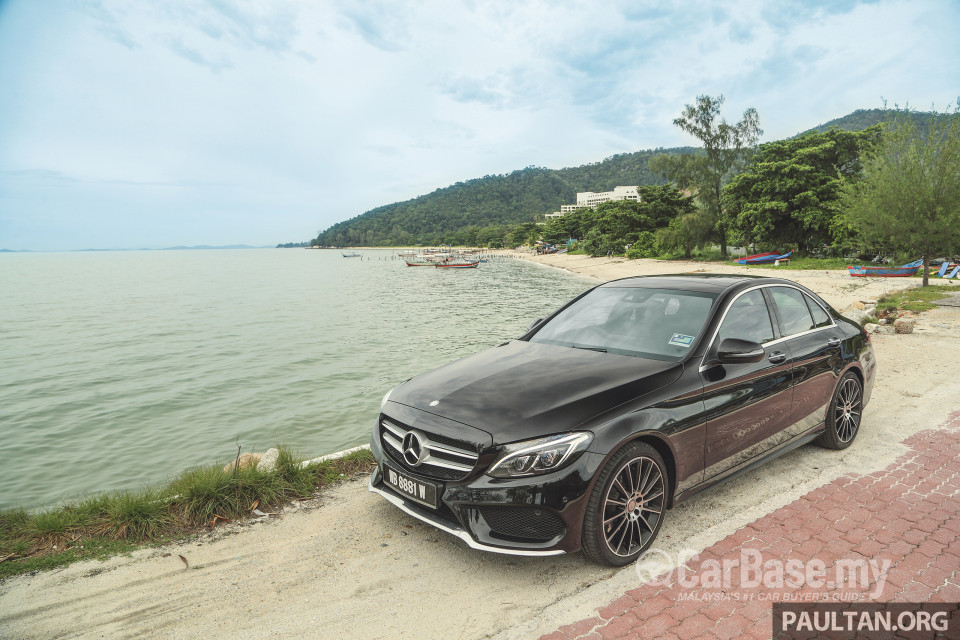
{"x":262,"y":121}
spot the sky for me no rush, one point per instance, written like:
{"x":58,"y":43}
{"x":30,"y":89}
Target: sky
{"x":134,"y":123}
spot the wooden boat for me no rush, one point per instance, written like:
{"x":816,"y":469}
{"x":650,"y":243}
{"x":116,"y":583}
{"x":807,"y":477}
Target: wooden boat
{"x":458,"y":265}
{"x":765,"y":258}
{"x":351,"y":255}
{"x":903,"y":271}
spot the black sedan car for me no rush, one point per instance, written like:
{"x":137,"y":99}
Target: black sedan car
{"x":632,"y":397}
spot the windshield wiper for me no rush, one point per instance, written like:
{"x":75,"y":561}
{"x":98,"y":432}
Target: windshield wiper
{"x":600,"y":349}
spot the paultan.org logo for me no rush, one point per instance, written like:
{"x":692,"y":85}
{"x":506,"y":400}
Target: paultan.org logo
{"x":751,"y":571}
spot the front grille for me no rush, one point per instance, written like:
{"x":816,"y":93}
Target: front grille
{"x":445,"y":458}
{"x":527,"y":523}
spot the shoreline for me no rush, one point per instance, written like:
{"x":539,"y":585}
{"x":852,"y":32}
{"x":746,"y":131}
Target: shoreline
{"x":836,"y":287}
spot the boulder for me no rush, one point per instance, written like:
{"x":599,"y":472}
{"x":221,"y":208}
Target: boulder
{"x":245,"y":460}
{"x":885,"y":329}
{"x":904,"y":325}
{"x":870,"y":327}
{"x":269,"y":460}
{"x":856,"y":315}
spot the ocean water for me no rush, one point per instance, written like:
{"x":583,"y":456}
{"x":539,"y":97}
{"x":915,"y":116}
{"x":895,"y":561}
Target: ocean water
{"x":121,"y":369}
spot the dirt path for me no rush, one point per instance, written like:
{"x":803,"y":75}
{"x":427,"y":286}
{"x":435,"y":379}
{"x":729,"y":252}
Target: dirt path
{"x":351,"y":566}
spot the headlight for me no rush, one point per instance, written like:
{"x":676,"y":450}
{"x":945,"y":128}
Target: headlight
{"x":542,"y":455}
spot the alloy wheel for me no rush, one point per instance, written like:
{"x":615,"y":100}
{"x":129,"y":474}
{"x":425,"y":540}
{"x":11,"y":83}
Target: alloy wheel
{"x":633,"y":506}
{"x":846,"y":417}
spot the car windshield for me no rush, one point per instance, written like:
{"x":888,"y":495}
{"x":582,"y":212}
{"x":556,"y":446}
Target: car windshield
{"x":661,"y":324}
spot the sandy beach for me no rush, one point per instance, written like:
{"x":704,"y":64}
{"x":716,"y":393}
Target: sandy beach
{"x":349,"y":565}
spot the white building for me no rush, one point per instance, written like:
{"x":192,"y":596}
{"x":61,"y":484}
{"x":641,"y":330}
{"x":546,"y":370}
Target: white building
{"x":592,"y":199}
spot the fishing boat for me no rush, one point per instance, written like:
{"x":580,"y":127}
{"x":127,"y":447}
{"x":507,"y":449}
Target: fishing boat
{"x":353,"y":254}
{"x":765,"y":258}
{"x":903,"y":271}
{"x":458,"y":265}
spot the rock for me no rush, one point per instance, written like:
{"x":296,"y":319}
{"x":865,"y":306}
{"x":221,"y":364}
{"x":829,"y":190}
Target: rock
{"x":885,"y":330}
{"x":858,"y":304}
{"x":856,"y":315}
{"x":269,"y":460}
{"x":246,"y":460}
{"x":869,"y":303}
{"x":904,"y":325}
{"x":870,"y":327}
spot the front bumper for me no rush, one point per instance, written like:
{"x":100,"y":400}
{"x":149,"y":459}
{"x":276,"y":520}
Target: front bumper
{"x":559,"y":496}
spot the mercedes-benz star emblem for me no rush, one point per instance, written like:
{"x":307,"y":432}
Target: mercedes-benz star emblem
{"x":412,"y":449}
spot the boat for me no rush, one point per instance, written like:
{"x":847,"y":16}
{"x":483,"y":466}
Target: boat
{"x":765,"y":258}
{"x":903,"y":271}
{"x":351,"y":255}
{"x":458,"y":265}
{"x":424,"y":260}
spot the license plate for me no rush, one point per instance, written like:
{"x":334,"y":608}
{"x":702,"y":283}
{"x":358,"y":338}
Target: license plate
{"x":422,"y":492}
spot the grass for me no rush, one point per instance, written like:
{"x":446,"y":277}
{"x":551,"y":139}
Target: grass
{"x":914,"y":299}
{"x":198,"y":499}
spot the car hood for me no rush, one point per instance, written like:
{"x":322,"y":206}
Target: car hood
{"x":524,"y":390}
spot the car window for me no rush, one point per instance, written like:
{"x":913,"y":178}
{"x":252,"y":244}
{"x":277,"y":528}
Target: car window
{"x":820,"y":317}
{"x":747,"y":319}
{"x":794,"y":313}
{"x":661,"y":324}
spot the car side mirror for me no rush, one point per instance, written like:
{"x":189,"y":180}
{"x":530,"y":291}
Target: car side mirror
{"x":735,"y":351}
{"x":533,"y":324}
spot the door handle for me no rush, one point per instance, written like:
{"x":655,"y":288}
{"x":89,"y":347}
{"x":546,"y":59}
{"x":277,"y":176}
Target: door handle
{"x":833,"y":342}
{"x":777,"y":357}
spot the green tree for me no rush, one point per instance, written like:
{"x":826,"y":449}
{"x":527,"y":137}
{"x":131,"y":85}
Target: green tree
{"x":687,"y":232}
{"x":613,"y":225}
{"x":789,"y":195}
{"x":909,"y":195}
{"x":726,"y":149}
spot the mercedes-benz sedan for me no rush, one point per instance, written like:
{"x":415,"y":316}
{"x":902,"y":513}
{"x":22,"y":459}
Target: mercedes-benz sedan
{"x":632,"y":397}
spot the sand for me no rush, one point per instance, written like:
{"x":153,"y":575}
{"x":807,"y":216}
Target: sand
{"x":349,"y":565}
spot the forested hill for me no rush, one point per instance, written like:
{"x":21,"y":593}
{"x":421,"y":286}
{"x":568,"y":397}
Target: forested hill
{"x":506,"y":200}
{"x":864,"y":118}
{"x":497,"y":200}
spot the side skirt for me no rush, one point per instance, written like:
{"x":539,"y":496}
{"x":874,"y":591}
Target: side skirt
{"x":750,"y":465}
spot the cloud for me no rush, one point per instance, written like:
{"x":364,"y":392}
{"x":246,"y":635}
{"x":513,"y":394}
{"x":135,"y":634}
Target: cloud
{"x":383,"y":25}
{"x":190,"y":54}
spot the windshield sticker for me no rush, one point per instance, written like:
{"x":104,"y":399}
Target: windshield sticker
{"x":681,"y":340}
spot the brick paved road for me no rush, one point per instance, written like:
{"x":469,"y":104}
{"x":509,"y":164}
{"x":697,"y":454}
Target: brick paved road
{"x":907,"y":514}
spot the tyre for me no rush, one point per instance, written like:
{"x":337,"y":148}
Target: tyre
{"x":844,"y":413}
{"x":626,"y":506}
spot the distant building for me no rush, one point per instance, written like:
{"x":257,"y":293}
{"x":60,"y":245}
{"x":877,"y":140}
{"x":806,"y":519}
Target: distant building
{"x":592,"y":199}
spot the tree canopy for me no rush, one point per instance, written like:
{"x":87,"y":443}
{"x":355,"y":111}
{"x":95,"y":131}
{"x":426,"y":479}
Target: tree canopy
{"x":908,"y":198}
{"x":726,"y":148}
{"x":789,"y":195}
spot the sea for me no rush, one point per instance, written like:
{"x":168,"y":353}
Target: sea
{"x":120,"y":369}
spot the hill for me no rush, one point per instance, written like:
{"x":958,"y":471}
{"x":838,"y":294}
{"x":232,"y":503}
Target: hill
{"x":864,"y":118}
{"x":490,"y":201}
{"x":506,"y":200}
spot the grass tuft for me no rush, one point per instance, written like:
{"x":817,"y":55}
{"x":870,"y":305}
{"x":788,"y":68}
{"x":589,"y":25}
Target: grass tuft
{"x":914,"y":299}
{"x":104,"y":525}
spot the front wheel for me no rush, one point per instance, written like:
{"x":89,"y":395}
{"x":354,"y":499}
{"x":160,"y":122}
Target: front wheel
{"x":843,"y":416}
{"x":626,"y":506}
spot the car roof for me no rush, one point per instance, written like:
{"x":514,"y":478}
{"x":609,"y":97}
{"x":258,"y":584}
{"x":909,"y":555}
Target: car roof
{"x":702,"y":282}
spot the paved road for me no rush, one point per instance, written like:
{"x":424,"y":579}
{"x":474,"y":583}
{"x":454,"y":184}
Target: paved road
{"x":905,"y":518}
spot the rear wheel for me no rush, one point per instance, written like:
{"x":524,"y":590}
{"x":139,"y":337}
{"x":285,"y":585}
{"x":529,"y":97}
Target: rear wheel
{"x":843,"y":416}
{"x":626,"y":506}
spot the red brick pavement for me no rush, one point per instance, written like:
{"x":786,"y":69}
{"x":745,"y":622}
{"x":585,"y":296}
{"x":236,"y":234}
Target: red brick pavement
{"x":907,"y":514}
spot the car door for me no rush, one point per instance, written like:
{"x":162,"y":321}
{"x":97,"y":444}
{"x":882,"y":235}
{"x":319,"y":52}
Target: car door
{"x":747,"y":405}
{"x":814,"y":343}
